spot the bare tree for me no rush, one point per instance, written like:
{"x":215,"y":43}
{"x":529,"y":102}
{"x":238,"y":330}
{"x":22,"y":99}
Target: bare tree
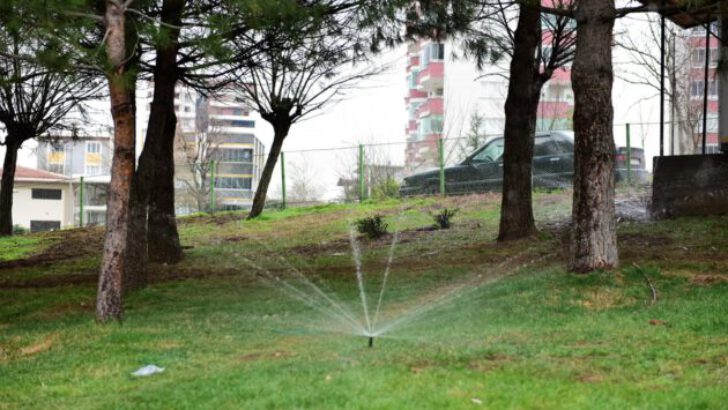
{"x":296,"y":76}
{"x":304,"y":187}
{"x":196,"y":153}
{"x":35,"y":99}
{"x":644,"y":53}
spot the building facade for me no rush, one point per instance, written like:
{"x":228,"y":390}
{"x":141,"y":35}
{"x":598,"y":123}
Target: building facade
{"x":425,"y":103}
{"x":216,"y":143}
{"x":698,"y":56}
{"x":42,"y":201}
{"x":444,"y":92}
{"x":84,"y":160}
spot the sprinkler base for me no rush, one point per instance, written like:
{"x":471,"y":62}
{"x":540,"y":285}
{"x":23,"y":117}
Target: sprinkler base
{"x":371,"y":341}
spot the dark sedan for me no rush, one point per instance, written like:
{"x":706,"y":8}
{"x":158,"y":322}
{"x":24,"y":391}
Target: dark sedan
{"x":553,"y":167}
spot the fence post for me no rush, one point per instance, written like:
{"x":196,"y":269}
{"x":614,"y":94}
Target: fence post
{"x":80,"y":203}
{"x":441,"y":160}
{"x":283,"y":179}
{"x":629,"y":157}
{"x":362,"y":187}
{"x":213,"y":168}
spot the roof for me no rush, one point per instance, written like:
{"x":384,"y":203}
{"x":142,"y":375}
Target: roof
{"x":684,"y":15}
{"x":30,"y":174}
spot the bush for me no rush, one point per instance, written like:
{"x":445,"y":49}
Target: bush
{"x":19,"y":230}
{"x":385,"y":189}
{"x":443,"y":219}
{"x":372,"y":226}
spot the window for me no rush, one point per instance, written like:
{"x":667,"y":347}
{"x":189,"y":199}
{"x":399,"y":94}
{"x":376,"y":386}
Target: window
{"x":546,"y":146}
{"x":491,"y":153}
{"x":93,"y":147}
{"x":242,"y":123}
{"x":56,"y":168}
{"x":431,"y":125}
{"x":38,"y":193}
{"x":432,"y":52}
{"x":697,"y":88}
{"x":236,"y":155}
{"x":233,"y":183}
{"x":57,"y":149}
{"x":93,"y":170}
{"x":413,"y":79}
{"x":39,"y":226}
{"x":698,"y":57}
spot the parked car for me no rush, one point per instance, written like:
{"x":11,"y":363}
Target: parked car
{"x":553,"y":167}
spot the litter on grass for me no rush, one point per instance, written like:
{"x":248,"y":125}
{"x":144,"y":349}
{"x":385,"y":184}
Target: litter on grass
{"x":148,"y":370}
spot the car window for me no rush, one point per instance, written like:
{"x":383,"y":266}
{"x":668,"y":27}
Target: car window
{"x":566,"y":144}
{"x":492,"y":152}
{"x":546,"y":146}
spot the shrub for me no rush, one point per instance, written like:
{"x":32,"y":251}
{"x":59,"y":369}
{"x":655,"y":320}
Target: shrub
{"x":372,"y":226}
{"x":385,"y":189}
{"x":443,"y":219}
{"x":19,"y":230}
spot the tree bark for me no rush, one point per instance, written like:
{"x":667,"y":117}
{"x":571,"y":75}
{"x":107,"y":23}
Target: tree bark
{"x":162,"y":235}
{"x":594,"y":237}
{"x":109,"y":305}
{"x":280,"y":131}
{"x":6,"y":186}
{"x":524,"y":90}
{"x":154,"y":223}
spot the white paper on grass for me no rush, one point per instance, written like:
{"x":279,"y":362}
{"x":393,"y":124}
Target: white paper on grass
{"x":148,"y":370}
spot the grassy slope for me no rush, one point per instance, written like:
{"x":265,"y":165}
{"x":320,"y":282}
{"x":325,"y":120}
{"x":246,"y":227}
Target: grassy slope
{"x":538,"y":338}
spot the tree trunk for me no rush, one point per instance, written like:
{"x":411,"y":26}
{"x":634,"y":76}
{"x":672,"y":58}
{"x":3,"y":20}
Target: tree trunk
{"x":109,"y":305}
{"x":594,"y":237}
{"x":279,"y":134}
{"x":6,"y":186}
{"x":524,"y":89}
{"x":162,"y":235}
{"x":155,"y":225}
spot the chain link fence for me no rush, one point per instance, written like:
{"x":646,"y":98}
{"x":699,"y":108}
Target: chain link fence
{"x":227,"y":177}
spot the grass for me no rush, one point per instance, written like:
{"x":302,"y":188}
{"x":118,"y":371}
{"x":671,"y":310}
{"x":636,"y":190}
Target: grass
{"x":527,"y":335}
{"x":19,"y":246}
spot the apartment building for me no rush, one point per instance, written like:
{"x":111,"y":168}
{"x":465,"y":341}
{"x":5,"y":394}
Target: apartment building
{"x":443,"y":92}
{"x":85,"y":160}
{"x":216,"y":143}
{"x":425,"y":102}
{"x":697,"y":75}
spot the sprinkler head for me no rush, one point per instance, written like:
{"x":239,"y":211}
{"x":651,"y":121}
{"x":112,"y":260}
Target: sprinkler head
{"x":371,"y":341}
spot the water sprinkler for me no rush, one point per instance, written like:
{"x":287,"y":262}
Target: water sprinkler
{"x":371,"y":341}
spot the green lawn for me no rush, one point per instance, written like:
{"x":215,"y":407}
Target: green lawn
{"x":489,"y":325}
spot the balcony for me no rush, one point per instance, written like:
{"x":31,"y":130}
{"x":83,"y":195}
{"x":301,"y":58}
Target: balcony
{"x":433,"y":106}
{"x":432,"y":77}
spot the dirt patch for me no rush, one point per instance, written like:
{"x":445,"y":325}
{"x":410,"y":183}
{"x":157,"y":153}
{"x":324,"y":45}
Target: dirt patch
{"x":490,"y":362}
{"x":38,"y":347}
{"x":70,"y":244}
{"x":603,"y":298}
{"x":277,"y":355}
{"x":53,"y":281}
{"x":590,"y":378}
{"x":640,"y":239}
{"x":706,"y":280}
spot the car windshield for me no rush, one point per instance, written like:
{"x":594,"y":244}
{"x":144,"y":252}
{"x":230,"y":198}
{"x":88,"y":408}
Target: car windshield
{"x":490,"y":153}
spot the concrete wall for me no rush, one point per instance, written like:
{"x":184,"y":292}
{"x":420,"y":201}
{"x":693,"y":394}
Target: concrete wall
{"x":690,"y":185}
{"x":26,"y":209}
